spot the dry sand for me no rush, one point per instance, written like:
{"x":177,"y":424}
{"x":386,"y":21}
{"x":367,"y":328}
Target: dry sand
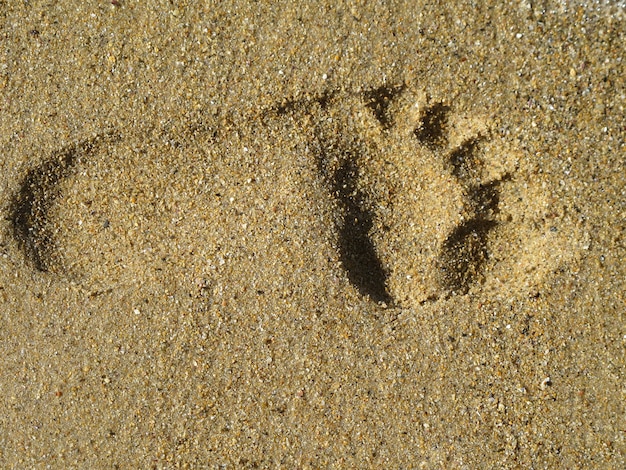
{"x":310,"y":235}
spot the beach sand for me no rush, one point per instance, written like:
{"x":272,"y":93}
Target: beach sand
{"x":312,"y":235}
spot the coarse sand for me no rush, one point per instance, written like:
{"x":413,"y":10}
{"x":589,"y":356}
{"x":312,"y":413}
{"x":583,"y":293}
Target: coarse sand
{"x":312,"y":235}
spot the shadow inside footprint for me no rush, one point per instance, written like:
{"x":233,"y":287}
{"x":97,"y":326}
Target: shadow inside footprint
{"x":464,"y":162}
{"x":379,"y":99}
{"x":485,"y":198}
{"x":463,"y":254}
{"x":432,"y":129}
{"x":356,"y":250}
{"x":30,"y":206}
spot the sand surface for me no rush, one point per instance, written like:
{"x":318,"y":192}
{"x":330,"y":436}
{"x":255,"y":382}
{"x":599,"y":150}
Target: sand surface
{"x":312,"y":235}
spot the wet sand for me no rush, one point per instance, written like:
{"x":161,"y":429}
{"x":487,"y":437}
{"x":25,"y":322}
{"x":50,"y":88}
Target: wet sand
{"x":312,"y":236}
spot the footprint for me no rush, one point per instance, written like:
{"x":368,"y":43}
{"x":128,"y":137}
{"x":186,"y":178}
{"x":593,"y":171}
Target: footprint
{"x":425,"y":203}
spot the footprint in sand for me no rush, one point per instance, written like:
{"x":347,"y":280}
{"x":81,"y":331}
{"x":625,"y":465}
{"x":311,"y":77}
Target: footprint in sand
{"x":426,"y":203}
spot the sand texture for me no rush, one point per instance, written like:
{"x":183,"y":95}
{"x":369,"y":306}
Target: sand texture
{"x":312,"y":235}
